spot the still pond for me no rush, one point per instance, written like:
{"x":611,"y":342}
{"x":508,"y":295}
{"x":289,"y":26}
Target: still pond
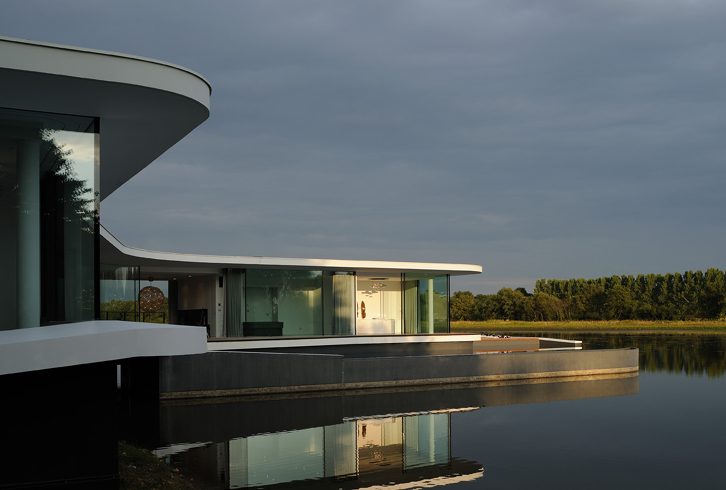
{"x":662,"y":428}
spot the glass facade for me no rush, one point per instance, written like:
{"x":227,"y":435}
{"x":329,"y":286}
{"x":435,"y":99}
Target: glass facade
{"x":283,"y":302}
{"x":379,"y":304}
{"x":119,"y":296}
{"x":272,"y":302}
{"x":120,"y":292}
{"x":426,"y":303}
{"x":49,"y":203}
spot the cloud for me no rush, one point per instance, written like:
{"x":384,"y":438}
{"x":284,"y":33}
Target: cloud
{"x":558,"y":139}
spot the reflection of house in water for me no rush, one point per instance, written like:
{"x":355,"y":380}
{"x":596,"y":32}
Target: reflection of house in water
{"x":357,"y":453}
{"x":393,"y":438}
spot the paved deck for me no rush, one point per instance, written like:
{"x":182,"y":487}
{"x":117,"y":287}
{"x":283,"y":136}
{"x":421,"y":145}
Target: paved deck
{"x":393,"y":345}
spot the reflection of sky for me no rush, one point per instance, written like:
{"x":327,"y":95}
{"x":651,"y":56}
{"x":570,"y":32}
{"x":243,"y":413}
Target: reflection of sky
{"x":665,"y":436}
{"x":82,"y":153}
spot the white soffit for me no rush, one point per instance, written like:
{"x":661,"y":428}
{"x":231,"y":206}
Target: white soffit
{"x":145,"y":106}
{"x":116,"y":253}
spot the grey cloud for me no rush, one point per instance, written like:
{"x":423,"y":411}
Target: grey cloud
{"x":556,"y":139}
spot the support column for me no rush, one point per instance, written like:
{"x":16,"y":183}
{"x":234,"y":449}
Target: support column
{"x":431,"y":306}
{"x":28,"y":234}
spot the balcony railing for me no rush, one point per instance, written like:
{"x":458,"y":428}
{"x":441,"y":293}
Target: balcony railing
{"x":135,"y":316}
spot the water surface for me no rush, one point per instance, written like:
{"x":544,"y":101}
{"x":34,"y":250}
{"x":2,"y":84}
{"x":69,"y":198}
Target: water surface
{"x":661,"y":429}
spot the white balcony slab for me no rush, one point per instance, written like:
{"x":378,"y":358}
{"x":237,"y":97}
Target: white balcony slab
{"x":33,"y":349}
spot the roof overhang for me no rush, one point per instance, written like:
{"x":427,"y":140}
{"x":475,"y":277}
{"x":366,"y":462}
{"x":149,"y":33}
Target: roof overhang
{"x":165,"y":264}
{"x":145,"y":106}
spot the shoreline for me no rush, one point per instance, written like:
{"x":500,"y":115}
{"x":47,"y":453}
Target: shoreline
{"x":604,"y":327}
{"x":610,"y":332}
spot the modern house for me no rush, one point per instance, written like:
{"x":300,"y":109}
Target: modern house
{"x":75,"y":124}
{"x":259,"y":296}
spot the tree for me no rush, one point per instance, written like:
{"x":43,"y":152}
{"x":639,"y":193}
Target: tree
{"x":543,"y":307}
{"x":481,"y":308}
{"x":508,"y":304}
{"x":461,"y":306}
{"x":618,"y":302}
{"x":712,"y":296}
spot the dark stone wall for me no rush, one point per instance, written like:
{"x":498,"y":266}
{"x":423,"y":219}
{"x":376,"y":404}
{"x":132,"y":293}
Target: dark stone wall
{"x":235,"y":370}
{"x":234,"y":373}
{"x":469,"y":366}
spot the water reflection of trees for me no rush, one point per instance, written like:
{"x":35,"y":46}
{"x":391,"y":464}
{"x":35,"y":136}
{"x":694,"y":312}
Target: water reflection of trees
{"x":691,"y":354}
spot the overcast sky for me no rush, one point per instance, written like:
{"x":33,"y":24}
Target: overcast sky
{"x":550,"y":139}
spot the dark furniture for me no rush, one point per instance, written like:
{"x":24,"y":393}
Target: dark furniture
{"x":262,"y":329}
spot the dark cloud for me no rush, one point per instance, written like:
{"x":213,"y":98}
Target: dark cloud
{"x":557,"y":139}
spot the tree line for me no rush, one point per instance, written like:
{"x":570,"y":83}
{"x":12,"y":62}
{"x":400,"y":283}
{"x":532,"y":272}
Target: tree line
{"x":673,"y":296}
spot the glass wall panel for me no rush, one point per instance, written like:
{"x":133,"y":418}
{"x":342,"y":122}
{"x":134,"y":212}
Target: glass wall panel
{"x":378,"y":305}
{"x":426,"y":303}
{"x":283,"y":302}
{"x":49,"y":202}
{"x":119,"y":293}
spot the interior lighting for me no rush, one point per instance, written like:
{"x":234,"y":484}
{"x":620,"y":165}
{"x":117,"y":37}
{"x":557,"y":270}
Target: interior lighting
{"x":151,"y":298}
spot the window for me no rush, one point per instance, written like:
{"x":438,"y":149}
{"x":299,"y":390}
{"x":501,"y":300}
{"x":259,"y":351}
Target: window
{"x":426,"y":300}
{"x":49,"y":204}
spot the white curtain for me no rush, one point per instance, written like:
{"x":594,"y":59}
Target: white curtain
{"x":344,"y":304}
{"x":411,"y":318}
{"x":235,"y":302}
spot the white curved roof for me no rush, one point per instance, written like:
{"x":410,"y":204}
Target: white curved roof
{"x":145,"y":106}
{"x":114,"y":252}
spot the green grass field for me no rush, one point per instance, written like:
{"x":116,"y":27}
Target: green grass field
{"x":589,"y":326}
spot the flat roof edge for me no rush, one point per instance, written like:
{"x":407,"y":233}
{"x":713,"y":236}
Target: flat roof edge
{"x":46,"y":59}
{"x":272,"y":262}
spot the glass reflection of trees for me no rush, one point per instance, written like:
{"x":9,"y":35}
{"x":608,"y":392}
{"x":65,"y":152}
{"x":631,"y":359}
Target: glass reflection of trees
{"x":77,"y":199}
{"x":68,"y":221}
